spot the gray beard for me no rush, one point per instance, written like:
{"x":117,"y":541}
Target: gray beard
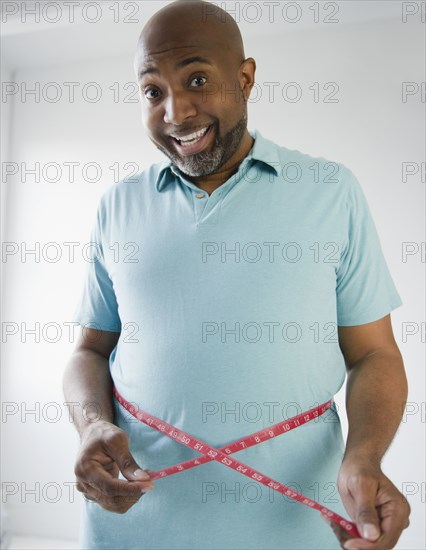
{"x":207,"y":162}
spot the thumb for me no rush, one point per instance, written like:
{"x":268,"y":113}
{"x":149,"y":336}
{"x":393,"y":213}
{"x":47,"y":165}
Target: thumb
{"x":130,"y":469}
{"x":366,"y":517}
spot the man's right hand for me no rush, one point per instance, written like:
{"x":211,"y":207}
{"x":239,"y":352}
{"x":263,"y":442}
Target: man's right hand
{"x":103,"y":454}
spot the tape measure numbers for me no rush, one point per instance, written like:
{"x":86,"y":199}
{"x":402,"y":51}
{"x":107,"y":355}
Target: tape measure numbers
{"x":222,"y":455}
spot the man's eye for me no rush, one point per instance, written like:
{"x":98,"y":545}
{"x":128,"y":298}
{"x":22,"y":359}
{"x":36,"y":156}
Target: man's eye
{"x":199,"y":81}
{"x":151,"y":93}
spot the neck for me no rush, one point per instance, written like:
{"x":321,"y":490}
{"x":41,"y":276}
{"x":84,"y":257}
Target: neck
{"x":212,"y":181}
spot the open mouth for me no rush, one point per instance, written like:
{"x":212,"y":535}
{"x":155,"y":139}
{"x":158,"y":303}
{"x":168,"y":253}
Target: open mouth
{"x":194,"y":142}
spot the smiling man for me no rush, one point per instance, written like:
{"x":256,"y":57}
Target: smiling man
{"x":237,"y":284}
{"x":202,"y":125}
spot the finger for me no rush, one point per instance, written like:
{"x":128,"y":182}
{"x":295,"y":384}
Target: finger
{"x":112,"y":487}
{"x":128,"y":465}
{"x":388,"y":539}
{"x":362,"y":544}
{"x":100,"y":468}
{"x":394,"y":518}
{"x":103,"y":480}
{"x":88,"y":492}
{"x":364,"y":493}
{"x":102,"y":471}
{"x":118,"y":504}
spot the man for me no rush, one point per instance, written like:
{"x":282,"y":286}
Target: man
{"x":238,"y":280}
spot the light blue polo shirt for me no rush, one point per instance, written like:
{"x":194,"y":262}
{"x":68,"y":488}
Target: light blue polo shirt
{"x":228,"y":307}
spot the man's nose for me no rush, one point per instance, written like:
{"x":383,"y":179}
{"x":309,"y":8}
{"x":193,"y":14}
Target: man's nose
{"x":178,"y":107}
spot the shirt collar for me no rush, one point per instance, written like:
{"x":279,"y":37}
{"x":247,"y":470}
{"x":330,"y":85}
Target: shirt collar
{"x":264,"y":150}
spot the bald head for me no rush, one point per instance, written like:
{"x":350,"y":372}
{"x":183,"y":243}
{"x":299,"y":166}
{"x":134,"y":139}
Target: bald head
{"x":190,"y":23}
{"x":194,"y":84}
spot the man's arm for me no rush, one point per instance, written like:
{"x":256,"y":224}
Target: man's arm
{"x":87,"y":380}
{"x":104,"y":448}
{"x":375,"y":398}
{"x":376,"y":391}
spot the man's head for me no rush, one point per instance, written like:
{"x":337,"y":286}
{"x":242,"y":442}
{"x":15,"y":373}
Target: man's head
{"x":193,"y":77}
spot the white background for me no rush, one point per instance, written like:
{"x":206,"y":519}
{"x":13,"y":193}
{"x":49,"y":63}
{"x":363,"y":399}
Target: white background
{"x":370,"y":52}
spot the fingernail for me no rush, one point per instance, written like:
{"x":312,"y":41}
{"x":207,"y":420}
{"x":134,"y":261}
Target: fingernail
{"x":370,"y":531}
{"x":141,"y":474}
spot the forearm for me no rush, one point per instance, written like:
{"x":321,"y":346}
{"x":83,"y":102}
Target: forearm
{"x":375,"y":398}
{"x":87,"y":386}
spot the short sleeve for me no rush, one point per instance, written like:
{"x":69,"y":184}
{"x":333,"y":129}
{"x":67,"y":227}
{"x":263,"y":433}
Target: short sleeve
{"x":98,"y":306}
{"x":365,"y":291}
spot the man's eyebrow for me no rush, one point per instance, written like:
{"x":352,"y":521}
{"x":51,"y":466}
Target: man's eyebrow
{"x":179,"y":65}
{"x":193,"y":59}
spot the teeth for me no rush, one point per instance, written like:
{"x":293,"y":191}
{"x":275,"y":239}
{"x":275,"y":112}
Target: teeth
{"x":193,"y":137}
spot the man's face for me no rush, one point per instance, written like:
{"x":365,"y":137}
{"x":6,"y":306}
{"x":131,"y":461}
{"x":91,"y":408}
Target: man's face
{"x":193,"y":107}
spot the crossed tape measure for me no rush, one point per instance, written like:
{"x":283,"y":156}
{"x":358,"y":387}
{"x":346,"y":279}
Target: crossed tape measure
{"x":221,"y":455}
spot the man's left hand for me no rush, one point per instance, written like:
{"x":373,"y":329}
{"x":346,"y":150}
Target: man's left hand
{"x":373,"y":502}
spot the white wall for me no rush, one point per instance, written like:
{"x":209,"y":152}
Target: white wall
{"x":370,"y":130}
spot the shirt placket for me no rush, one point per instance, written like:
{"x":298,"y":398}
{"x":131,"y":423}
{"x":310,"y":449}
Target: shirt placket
{"x":206,"y":207}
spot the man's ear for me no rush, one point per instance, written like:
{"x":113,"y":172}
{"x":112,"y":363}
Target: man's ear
{"x":246,"y":76}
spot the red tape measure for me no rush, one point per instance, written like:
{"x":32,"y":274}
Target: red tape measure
{"x":222,"y":455}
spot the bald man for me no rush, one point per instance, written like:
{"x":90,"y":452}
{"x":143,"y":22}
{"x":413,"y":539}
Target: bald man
{"x":243,"y":298}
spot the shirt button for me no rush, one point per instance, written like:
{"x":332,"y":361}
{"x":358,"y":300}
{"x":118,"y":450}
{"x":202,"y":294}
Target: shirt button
{"x":199,"y":195}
